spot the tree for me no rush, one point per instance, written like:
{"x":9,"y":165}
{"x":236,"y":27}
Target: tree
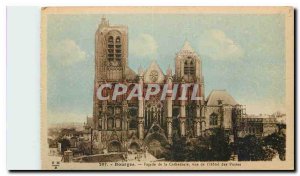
{"x":251,"y":148}
{"x":216,"y":147}
{"x":84,"y":147}
{"x":179,"y":149}
{"x":277,"y":142}
{"x":65,"y":144}
{"x":201,"y":153}
{"x":220,"y":148}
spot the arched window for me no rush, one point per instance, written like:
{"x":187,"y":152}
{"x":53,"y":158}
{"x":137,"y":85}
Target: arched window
{"x":186,"y":68}
{"x":203,"y":125}
{"x":118,"y":40}
{"x":110,"y":48}
{"x":118,"y":123}
{"x":133,"y":124}
{"x":114,"y":146}
{"x":153,"y":113}
{"x":189,"y":67}
{"x":192,"y":68}
{"x":213,"y":119}
{"x":133,"y":112}
{"x":114,"y":47}
{"x":118,"y":50}
{"x":111,"y":39}
{"x":134,"y":147}
{"x":110,"y":123}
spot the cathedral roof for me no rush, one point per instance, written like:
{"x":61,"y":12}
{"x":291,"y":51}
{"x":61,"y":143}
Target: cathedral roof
{"x":154,"y":74}
{"x":216,"y":95}
{"x":130,"y":74}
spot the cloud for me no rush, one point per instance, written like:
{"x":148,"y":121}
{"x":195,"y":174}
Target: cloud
{"x":143,"y":45}
{"x":217,"y":45}
{"x":66,"y":52}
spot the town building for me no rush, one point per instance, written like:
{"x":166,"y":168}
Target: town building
{"x":259,"y":125}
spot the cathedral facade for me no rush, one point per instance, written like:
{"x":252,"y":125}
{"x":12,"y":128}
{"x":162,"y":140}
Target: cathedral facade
{"x":123,"y":125}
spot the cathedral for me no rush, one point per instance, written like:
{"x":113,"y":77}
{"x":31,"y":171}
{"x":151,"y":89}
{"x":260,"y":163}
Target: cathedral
{"x":135,"y":125}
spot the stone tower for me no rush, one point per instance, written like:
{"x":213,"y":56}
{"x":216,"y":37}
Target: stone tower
{"x":188,"y":69}
{"x":111,"y":50}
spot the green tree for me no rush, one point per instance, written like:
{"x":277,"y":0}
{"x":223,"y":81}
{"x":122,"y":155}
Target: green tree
{"x":220,"y":148}
{"x":277,"y":141}
{"x":201,"y":153}
{"x":251,"y":148}
{"x":179,"y":149}
{"x":215,"y":147}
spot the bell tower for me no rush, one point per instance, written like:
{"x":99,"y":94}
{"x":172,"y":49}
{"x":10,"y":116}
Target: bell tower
{"x":188,"y":67}
{"x":111,"y":50}
{"x":188,"y":64}
{"x":188,"y":70}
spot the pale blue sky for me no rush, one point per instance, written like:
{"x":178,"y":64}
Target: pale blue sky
{"x":243,"y":54}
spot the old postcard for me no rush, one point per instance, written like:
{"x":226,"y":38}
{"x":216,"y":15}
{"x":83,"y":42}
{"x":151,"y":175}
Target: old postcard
{"x":167,"y":88}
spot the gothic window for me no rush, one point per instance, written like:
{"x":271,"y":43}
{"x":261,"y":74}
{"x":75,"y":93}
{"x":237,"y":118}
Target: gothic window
{"x":189,"y":67}
{"x":133,"y":123}
{"x":118,"y":50}
{"x":203,"y":124}
{"x":186,"y":68}
{"x":100,"y":124}
{"x":110,"y":110}
{"x":189,"y":110}
{"x":133,"y":112}
{"x":192,"y":68}
{"x":219,"y":102}
{"x":118,"y":123}
{"x":213,"y":119}
{"x":114,"y":47}
{"x":110,"y":39}
{"x":110,"y":48}
{"x":153,"y":113}
{"x":175,"y":112}
{"x":118,"y":111}
{"x":110,"y":123}
{"x":175,"y":123}
{"x":118,"y":40}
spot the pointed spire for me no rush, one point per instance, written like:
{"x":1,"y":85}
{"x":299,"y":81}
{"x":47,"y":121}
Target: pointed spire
{"x":187,"y":46}
{"x":140,"y":70}
{"x":104,"y":21}
{"x":153,"y":61}
{"x":154,"y":65}
{"x":169,"y":71}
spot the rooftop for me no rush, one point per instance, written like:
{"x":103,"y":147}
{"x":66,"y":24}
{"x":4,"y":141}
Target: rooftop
{"x":220,"y":96}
